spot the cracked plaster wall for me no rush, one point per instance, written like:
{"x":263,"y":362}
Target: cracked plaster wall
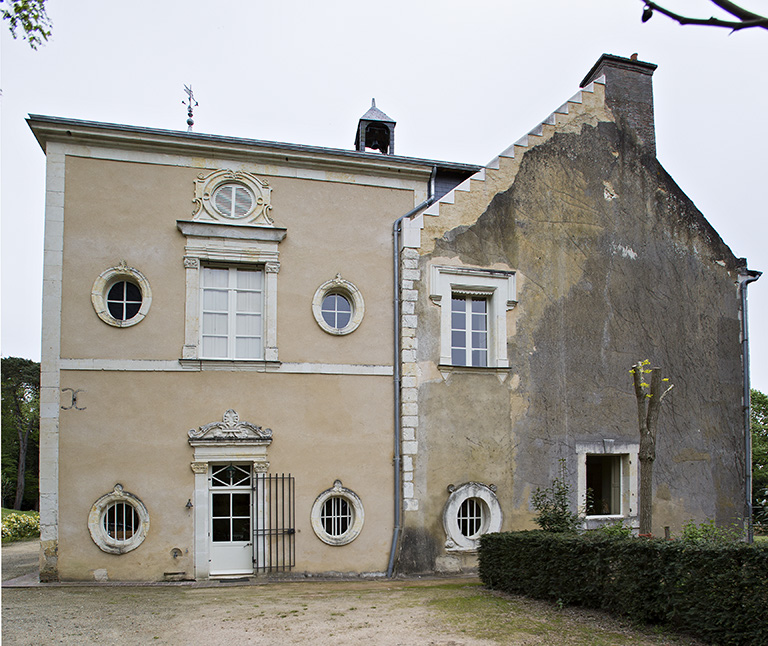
{"x":614,"y":265}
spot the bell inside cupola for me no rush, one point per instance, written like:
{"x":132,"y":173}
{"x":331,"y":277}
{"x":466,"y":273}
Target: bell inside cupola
{"x":375,"y":131}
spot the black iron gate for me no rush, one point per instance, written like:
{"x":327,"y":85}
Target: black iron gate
{"x":274,"y":523}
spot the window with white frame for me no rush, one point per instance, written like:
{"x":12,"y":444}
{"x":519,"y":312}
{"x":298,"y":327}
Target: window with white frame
{"x":231,"y":294}
{"x":233,"y":200}
{"x":471,"y":510}
{"x":118,"y":521}
{"x":121,"y":296}
{"x":607,"y":480}
{"x":473,"y":314}
{"x":337,"y":515}
{"x":232,"y":313}
{"x":338,"y":306}
{"x":469,"y":330}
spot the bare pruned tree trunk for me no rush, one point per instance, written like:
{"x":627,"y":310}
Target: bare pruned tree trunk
{"x":649,"y":398}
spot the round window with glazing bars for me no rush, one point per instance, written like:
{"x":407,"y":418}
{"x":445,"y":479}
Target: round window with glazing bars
{"x":337,"y":515}
{"x":121,"y":296}
{"x":471,"y":510}
{"x":118,"y":521}
{"x":338,"y":306}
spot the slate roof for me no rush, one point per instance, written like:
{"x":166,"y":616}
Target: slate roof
{"x":374,"y":114}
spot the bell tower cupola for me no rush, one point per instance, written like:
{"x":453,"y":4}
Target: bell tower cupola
{"x":376,"y":131}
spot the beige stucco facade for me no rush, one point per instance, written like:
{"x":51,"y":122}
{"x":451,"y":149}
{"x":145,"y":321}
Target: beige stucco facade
{"x":141,"y":387}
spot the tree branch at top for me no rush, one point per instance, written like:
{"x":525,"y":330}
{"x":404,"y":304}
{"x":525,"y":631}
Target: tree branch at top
{"x":746,"y":18}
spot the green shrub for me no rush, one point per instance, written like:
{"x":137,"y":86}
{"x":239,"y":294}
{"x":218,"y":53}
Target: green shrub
{"x":553,"y":507}
{"x":617,"y":529}
{"x":707,"y":533}
{"x":718,"y":592}
{"x":19,"y":526}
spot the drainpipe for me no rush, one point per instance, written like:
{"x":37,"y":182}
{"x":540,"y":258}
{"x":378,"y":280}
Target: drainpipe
{"x":396,"y":231}
{"x":744,"y":280}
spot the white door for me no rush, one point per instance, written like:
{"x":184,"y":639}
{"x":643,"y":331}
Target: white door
{"x":231,"y":532}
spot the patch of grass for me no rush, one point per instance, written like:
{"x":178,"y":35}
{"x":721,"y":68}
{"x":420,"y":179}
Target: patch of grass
{"x":503,"y":619}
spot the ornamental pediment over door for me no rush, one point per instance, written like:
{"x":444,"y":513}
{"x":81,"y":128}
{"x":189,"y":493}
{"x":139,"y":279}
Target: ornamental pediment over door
{"x":230,"y":429}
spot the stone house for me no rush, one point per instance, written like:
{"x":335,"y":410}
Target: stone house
{"x":225,"y":391}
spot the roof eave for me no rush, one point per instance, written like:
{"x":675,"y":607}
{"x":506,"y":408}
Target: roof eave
{"x":47,"y":129}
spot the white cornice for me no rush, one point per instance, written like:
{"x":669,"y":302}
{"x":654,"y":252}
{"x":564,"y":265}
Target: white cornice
{"x":86,"y":133}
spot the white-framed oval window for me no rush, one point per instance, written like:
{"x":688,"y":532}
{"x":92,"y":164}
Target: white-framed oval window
{"x":225,"y":195}
{"x":121,"y":296}
{"x":118,"y":521}
{"x":471,"y":511}
{"x":233,"y":200}
{"x":338,"y":306}
{"x":337,"y":515}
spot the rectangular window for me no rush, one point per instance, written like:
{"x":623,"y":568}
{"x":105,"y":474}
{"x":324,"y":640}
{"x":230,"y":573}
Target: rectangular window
{"x":232,"y":313}
{"x":473,"y":304}
{"x":469,"y":330}
{"x":604,"y":485}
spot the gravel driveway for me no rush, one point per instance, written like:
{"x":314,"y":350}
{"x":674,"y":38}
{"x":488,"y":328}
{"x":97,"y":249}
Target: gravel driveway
{"x":432,"y":612}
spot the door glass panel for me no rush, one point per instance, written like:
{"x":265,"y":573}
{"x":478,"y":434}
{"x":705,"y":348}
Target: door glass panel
{"x":241,"y":529}
{"x":220,"y":505}
{"x":241,"y":504}
{"x":221,"y":533}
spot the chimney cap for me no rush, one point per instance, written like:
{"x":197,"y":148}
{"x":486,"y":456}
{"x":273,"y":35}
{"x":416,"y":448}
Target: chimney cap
{"x":611,"y":60}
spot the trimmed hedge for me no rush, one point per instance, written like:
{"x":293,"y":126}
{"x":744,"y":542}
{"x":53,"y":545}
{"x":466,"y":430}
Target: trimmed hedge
{"x":718,"y":593}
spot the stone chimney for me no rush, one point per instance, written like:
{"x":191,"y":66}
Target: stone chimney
{"x":628,"y":93}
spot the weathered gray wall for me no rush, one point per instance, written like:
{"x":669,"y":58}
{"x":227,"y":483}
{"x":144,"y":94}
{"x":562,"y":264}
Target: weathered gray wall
{"x":615,"y":264}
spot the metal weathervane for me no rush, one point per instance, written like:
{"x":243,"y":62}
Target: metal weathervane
{"x":191,"y":104}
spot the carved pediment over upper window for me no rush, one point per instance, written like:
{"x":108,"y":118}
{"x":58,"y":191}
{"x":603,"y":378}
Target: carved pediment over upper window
{"x":230,"y":428}
{"x":231,"y":196}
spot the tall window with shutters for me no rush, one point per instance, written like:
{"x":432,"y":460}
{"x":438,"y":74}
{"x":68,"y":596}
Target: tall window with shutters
{"x":232,"y":313}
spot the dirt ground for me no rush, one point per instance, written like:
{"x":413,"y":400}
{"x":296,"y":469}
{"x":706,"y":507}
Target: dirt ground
{"x":433,"y":612}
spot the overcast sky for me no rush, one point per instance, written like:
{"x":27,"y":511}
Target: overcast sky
{"x":462,"y":79}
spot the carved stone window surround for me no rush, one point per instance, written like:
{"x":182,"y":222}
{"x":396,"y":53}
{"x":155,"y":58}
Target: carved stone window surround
{"x":353,"y":296}
{"x":96,"y":521}
{"x":104,"y":283}
{"x":497,"y":285}
{"x":485,"y":495}
{"x":338,"y":491}
{"x":229,"y":244}
{"x":206,"y":186}
{"x":629,"y":480}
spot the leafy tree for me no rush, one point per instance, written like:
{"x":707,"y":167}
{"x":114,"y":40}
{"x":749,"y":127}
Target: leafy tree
{"x":759,"y":422}
{"x":28,"y":17}
{"x":20,"y":418}
{"x":744,"y":18}
{"x":649,"y":398}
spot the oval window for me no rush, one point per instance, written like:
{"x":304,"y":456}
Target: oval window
{"x":121,"y":296}
{"x":338,"y":306}
{"x":124,"y":300}
{"x":337,"y":311}
{"x":121,"y":521}
{"x":233,"y":201}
